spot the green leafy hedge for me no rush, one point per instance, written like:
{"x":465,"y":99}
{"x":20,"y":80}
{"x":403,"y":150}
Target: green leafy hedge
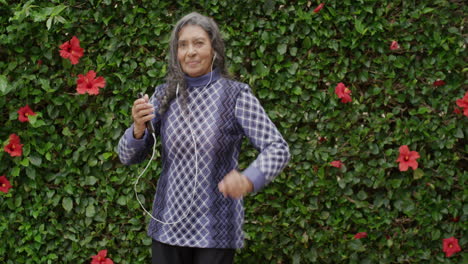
{"x":71,"y":197}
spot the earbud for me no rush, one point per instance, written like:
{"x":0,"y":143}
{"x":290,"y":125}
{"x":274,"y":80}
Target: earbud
{"x":214,"y":57}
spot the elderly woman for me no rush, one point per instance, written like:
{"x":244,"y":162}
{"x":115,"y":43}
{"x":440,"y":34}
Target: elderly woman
{"x":201,"y":116}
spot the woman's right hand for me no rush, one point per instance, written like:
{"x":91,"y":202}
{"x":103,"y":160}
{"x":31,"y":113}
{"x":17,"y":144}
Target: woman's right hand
{"x":142,"y":111}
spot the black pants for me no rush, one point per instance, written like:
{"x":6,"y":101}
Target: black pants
{"x":168,"y":254}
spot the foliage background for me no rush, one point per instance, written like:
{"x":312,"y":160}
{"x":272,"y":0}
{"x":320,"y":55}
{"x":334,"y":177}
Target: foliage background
{"x":71,"y":197}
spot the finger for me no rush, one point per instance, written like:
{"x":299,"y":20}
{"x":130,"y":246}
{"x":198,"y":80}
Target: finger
{"x":141,"y":106}
{"x":140,"y":118}
{"x":238,"y":189}
{"x":233,"y":189}
{"x":222,"y":188}
{"x":235,"y":195}
{"x":229,"y":186}
{"x":143,"y":112}
{"x":138,"y":113}
{"x":140,"y":101}
{"x":145,"y":118}
{"x":141,"y":123}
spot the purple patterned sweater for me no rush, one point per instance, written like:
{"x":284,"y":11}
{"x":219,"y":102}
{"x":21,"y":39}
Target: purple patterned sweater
{"x":187,"y":196}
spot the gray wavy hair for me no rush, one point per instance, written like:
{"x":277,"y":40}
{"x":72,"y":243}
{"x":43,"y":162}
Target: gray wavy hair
{"x":175,"y":74}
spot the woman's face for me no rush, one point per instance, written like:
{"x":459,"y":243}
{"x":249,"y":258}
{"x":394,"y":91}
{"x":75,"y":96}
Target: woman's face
{"x":194,"y":51}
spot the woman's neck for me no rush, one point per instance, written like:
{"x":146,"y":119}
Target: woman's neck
{"x":203,"y":80}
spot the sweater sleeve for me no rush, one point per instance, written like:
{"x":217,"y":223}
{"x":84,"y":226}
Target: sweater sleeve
{"x":263,"y":134}
{"x":132,"y":150}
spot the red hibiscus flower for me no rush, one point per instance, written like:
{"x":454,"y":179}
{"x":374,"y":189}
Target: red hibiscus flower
{"x":343,"y":93}
{"x":14,"y":147}
{"x":463,"y":103}
{"x":360,"y":235}
{"x":24,"y":112}
{"x":439,"y":83}
{"x":450,"y":246}
{"x":456,"y":111}
{"x":394,"y":45}
{"x":4,"y":184}
{"x":89,"y":83}
{"x":407,"y":158}
{"x":100,"y":258}
{"x":71,"y":50}
{"x":336,"y":164}
{"x":319,"y":7}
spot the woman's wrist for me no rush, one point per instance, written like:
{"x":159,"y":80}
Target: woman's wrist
{"x":138,"y":132}
{"x":247,"y":183}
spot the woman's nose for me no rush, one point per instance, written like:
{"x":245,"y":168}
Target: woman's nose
{"x":191,"y":50}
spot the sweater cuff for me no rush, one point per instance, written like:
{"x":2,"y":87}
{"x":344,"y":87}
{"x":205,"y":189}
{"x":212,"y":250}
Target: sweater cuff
{"x":255,"y":176}
{"x":134,"y":142}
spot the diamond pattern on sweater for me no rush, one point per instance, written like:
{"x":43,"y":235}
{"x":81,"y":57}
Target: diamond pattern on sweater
{"x":186,"y":197}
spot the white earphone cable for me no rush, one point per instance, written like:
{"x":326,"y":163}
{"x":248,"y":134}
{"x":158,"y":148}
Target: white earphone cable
{"x":196,"y":159}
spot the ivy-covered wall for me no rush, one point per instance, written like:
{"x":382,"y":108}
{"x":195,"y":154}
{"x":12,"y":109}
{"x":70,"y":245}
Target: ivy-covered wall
{"x":343,"y":198}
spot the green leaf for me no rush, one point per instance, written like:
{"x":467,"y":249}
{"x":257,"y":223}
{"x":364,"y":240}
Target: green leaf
{"x":296,"y":258}
{"x":459,"y":133}
{"x":67,"y":204}
{"x":307,"y":43}
{"x":151,"y":73}
{"x":427,"y":10}
{"x":66,"y":132}
{"x":423,"y":110}
{"x":31,"y":173}
{"x":356,"y":245}
{"x":35,"y":160}
{"x":293,"y":51}
{"x":297,"y":90}
{"x":389,"y":243}
{"x":292,"y":70}
{"x":36,"y":120}
{"x":4,"y":88}
{"x":92,"y":161}
{"x":15,"y":171}
{"x":122,"y":77}
{"x":418,"y":174}
{"x":282,"y":48}
{"x":360,"y":28}
{"x":90,"y":180}
{"x":25,"y":162}
{"x":261,"y":69}
{"x":122,"y":200}
{"x":49,"y":23}
{"x":150,"y":61}
{"x":32,"y":119}
{"x":90,"y":210}
{"x":45,"y":84}
{"x":60,"y":19}
{"x":362,"y":195}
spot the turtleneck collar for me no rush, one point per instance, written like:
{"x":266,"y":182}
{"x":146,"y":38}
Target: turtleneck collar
{"x":202,"y":80}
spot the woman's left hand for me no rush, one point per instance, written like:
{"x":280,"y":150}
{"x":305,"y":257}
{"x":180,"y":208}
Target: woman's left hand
{"x":235,"y":185}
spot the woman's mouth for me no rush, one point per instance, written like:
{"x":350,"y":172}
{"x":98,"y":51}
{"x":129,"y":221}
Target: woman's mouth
{"x":192,"y":63}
